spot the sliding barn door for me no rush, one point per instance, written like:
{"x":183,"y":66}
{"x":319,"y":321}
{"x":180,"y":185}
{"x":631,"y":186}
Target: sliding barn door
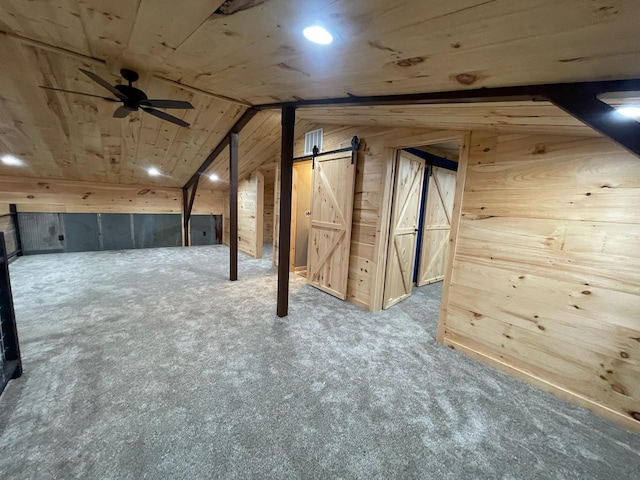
{"x":332,"y":193}
{"x":407,"y":197}
{"x":436,"y":226}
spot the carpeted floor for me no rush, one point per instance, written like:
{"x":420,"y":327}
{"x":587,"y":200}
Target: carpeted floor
{"x":149,"y":364}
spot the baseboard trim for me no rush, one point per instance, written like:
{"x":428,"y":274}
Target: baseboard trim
{"x":556,"y":390}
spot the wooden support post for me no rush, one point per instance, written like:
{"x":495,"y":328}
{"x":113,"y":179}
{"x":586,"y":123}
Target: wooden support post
{"x":185,"y":217}
{"x":284,"y":239}
{"x":13,"y":210}
{"x":188,"y":200}
{"x":233,"y":206}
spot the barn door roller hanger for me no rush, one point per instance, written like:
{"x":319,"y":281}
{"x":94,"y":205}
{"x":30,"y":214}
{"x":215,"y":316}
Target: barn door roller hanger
{"x":355,"y":146}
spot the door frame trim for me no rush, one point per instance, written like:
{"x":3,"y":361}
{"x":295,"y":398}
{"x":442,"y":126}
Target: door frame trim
{"x":384,"y":220}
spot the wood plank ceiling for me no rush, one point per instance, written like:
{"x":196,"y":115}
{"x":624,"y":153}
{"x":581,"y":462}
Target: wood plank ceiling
{"x":252,"y":51}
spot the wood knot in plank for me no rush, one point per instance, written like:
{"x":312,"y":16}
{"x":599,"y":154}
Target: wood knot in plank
{"x":571,"y":60}
{"x":466,"y":78}
{"x":619,"y":389}
{"x":410,"y":62}
{"x":384,"y":48}
{"x":144,"y":191}
{"x":540,"y":150}
{"x":229,"y":7}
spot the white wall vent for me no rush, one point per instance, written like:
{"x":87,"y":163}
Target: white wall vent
{"x":314,"y":137}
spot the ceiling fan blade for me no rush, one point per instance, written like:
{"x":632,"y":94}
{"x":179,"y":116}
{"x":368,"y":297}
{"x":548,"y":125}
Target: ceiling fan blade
{"x":78,"y":93}
{"x":166,"y":104}
{"x":102,"y":82}
{"x":121,"y":112}
{"x":165,"y":116}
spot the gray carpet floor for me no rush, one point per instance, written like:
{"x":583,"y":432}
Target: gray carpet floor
{"x":149,"y":364}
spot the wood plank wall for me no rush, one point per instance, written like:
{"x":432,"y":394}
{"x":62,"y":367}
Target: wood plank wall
{"x":268,"y":214}
{"x":46,"y":195}
{"x":68,"y":196}
{"x":366,"y":207}
{"x":208,"y":202}
{"x":7,"y":226}
{"x":370,"y":208}
{"x":250,"y":215}
{"x":546,"y":273}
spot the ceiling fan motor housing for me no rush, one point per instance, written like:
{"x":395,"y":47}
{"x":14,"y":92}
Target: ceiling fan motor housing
{"x":134,"y":96}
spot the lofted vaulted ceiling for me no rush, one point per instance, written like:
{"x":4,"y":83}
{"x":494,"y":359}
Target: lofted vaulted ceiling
{"x":252,"y":52}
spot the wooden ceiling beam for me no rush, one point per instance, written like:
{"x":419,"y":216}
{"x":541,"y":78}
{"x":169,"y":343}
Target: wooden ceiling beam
{"x":237,"y":127}
{"x":578,"y":99}
{"x":602,"y":117}
{"x":202,"y":92}
{"x":521,"y":93}
{"x":52,"y":48}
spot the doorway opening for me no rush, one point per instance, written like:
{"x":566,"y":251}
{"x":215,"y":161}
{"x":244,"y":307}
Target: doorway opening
{"x":300,"y":217}
{"x":269,"y":206}
{"x":206,"y":230}
{"x":422,"y":209}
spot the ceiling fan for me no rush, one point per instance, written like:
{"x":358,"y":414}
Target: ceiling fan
{"x":132,"y":98}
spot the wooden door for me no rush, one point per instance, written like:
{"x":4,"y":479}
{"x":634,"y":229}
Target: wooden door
{"x":401,"y":254}
{"x":333,"y":186}
{"x":436,"y":226}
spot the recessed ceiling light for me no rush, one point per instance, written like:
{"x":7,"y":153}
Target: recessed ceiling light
{"x":12,"y":161}
{"x":213,"y":177}
{"x":318,"y":34}
{"x":153,"y":171}
{"x":632,"y":112}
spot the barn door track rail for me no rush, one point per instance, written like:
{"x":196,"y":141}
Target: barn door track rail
{"x":355,"y":146}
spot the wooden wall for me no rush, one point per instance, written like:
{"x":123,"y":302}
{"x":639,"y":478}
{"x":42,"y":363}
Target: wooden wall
{"x":68,"y":196}
{"x":208,"y":202}
{"x":371,"y":203}
{"x":250,"y":215}
{"x":44,"y":195}
{"x":269,"y":206}
{"x":7,"y":226}
{"x":366,"y":207}
{"x":546,"y":273}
